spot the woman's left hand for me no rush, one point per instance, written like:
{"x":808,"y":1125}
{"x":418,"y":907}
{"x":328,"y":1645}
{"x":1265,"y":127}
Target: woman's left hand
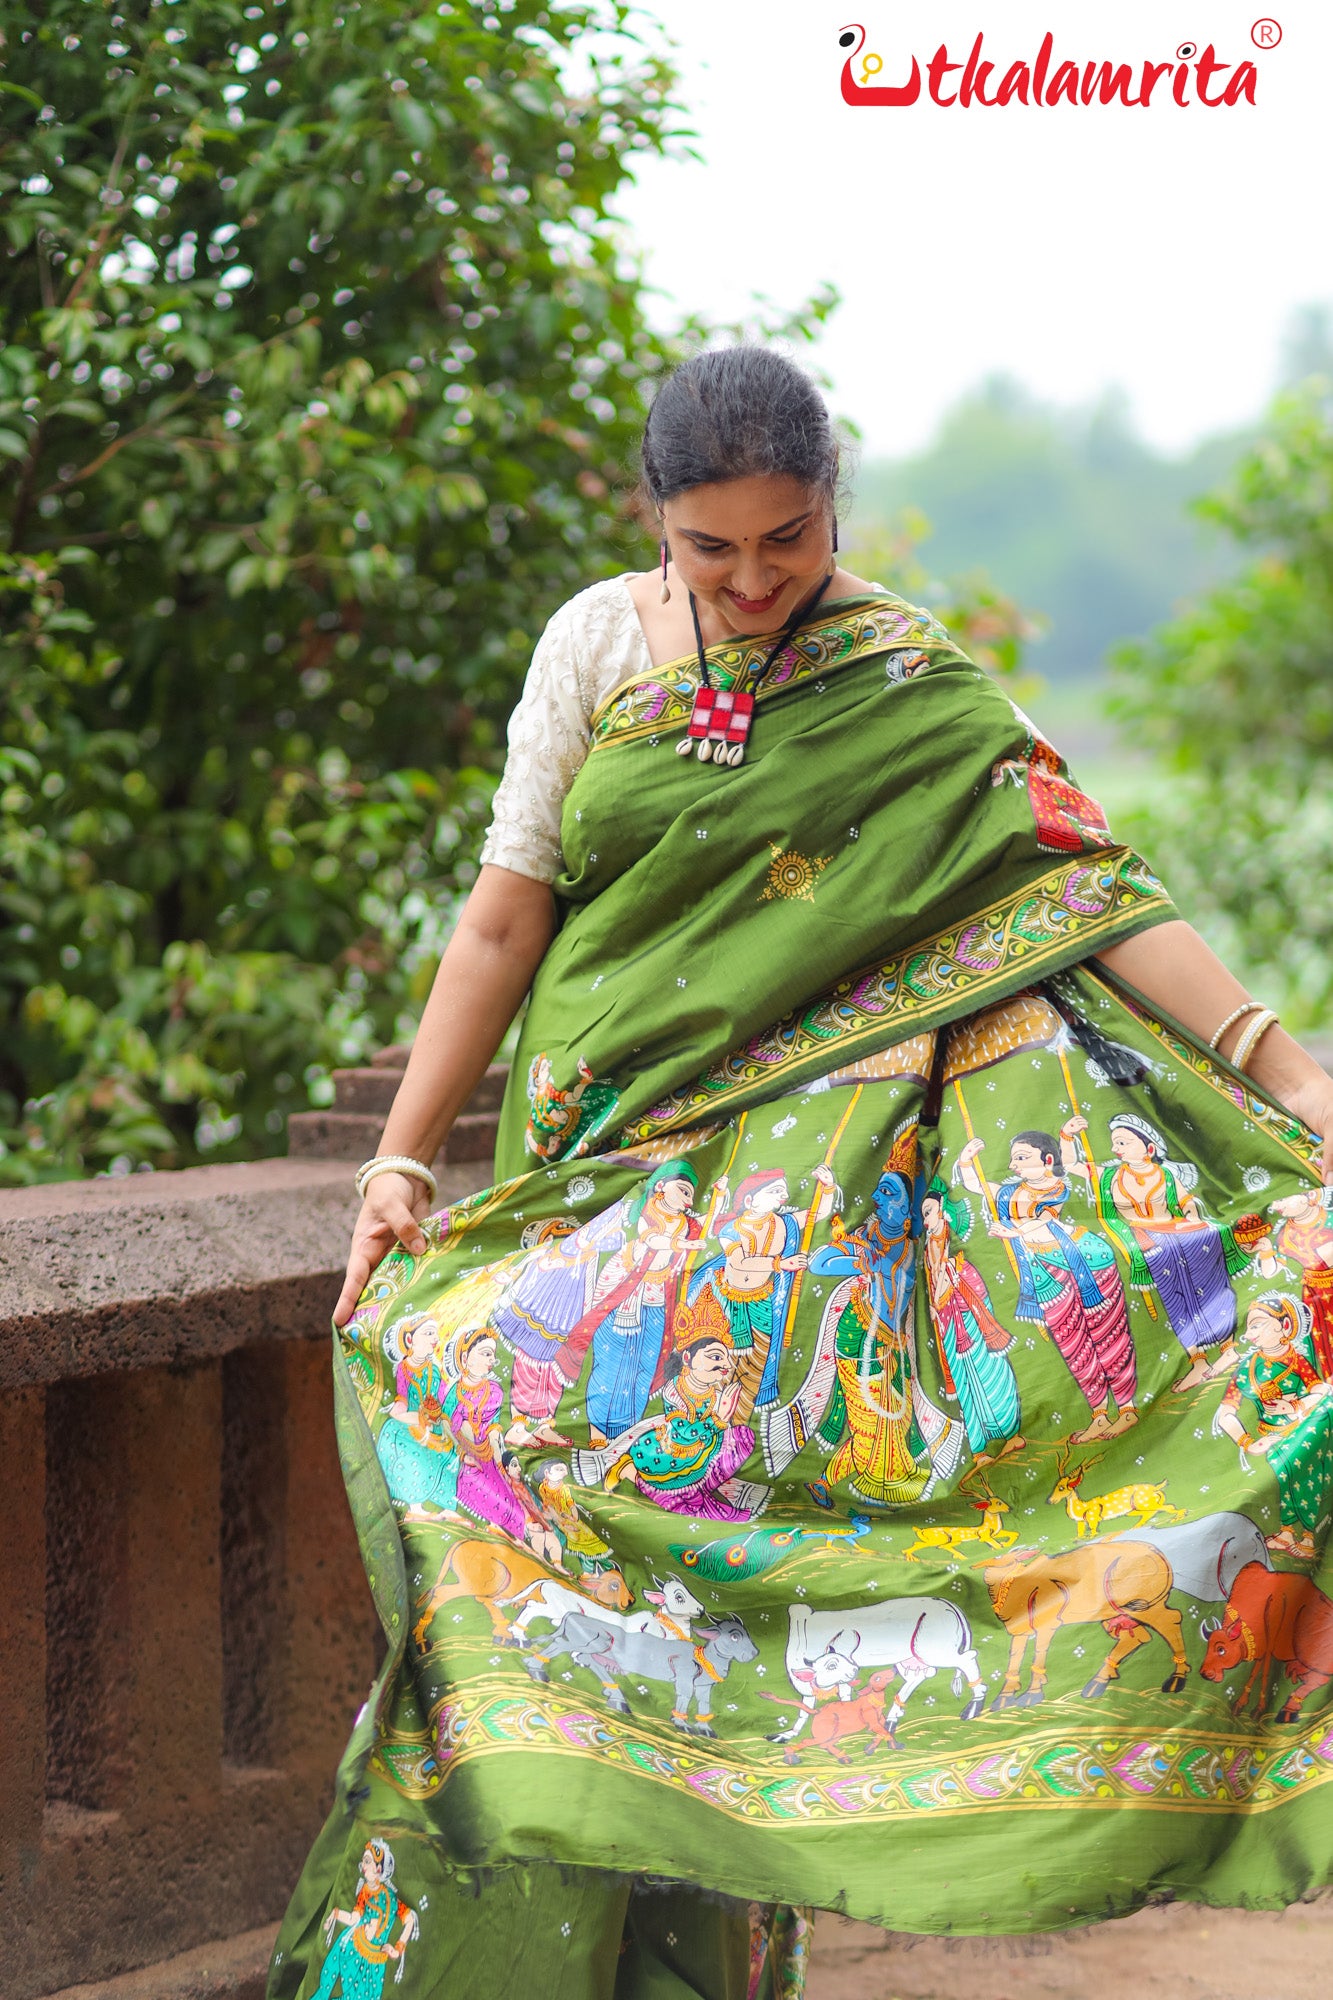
{"x":1312,"y":1103}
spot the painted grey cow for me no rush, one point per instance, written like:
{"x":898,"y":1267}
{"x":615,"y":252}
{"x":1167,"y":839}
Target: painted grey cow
{"x":1206,"y":1555}
{"x":693,"y":1666}
{"x":919,"y":1636}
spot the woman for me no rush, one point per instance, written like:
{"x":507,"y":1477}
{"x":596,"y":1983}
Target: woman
{"x":358,"y":1961}
{"x":1146,"y":1201}
{"x":757,"y":792}
{"x":1068,"y":1280}
{"x":472,"y":1406}
{"x":417,"y":1448}
{"x":1305,"y":1234}
{"x":1277,"y":1406}
{"x":974,"y":1345}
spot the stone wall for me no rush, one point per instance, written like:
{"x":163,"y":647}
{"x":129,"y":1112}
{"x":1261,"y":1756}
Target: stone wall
{"x":185,"y":1631}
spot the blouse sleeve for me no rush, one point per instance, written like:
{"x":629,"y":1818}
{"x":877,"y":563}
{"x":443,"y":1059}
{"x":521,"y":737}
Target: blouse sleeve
{"x":550,"y":730}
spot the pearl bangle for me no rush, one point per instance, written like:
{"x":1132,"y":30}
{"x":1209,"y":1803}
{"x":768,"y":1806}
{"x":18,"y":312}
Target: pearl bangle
{"x":1236,"y":1014}
{"x":1252,"y":1037}
{"x":394,"y":1163}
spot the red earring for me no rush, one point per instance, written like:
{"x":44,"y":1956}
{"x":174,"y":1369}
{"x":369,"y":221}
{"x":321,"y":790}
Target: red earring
{"x":666,"y":587}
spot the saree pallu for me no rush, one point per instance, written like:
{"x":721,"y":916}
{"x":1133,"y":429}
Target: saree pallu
{"x":843,"y":1519}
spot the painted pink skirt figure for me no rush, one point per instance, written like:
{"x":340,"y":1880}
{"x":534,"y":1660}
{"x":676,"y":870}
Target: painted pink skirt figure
{"x":472,"y":1407}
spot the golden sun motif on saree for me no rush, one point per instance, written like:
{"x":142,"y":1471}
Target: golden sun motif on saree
{"x":792,"y":875}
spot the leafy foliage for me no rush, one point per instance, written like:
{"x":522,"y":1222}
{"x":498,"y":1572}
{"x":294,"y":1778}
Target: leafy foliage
{"x":1236,"y":698}
{"x":318,"y":370}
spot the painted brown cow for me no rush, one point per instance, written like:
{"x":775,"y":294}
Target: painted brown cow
{"x":492,"y":1576}
{"x":1121,"y":1586}
{"x":1273,"y":1617}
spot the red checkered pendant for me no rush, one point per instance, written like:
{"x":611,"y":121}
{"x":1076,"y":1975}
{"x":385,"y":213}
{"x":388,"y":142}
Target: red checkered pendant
{"x":719,"y":725}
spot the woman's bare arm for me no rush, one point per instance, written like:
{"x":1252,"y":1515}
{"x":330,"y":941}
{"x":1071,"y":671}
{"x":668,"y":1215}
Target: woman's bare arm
{"x":1174,"y":969}
{"x":488,"y":965}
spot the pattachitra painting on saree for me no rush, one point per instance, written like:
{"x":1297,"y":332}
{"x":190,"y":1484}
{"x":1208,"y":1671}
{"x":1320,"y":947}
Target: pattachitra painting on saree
{"x":872,"y":1449}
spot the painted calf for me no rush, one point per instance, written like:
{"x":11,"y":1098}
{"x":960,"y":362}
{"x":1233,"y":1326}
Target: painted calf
{"x":1273,"y":1618}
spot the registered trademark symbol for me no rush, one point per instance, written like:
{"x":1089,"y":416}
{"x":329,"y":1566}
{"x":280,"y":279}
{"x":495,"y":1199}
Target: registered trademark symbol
{"x":1266,"y":33}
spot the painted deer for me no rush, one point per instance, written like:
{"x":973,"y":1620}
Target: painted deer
{"x":988,"y":1530}
{"x":1142,"y":1501}
{"x":1121,"y":1586}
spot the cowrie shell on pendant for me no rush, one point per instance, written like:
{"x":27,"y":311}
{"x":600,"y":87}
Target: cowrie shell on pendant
{"x":684,"y":747}
{"x":705,"y":751}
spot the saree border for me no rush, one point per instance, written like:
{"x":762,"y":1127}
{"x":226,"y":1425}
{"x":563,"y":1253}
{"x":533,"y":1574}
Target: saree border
{"x":661,"y":700}
{"x":1273,"y":1119}
{"x":1089,"y":901}
{"x":1065,"y":1765}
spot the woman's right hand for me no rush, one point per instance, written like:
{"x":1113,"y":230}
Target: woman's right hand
{"x":391,"y":1213}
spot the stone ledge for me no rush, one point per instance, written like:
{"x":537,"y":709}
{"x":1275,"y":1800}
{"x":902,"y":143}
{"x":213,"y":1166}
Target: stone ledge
{"x":235,"y":1968}
{"x":152,"y":1269}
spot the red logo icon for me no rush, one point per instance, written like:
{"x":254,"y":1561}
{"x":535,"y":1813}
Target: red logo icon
{"x":1265,"y":34}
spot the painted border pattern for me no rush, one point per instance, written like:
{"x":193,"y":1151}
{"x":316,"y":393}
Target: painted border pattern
{"x":662,"y":700}
{"x":1067,"y":914}
{"x":1182,"y":1770}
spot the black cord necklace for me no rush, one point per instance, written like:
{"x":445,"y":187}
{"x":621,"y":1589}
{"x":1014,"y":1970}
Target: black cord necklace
{"x":720,"y":720}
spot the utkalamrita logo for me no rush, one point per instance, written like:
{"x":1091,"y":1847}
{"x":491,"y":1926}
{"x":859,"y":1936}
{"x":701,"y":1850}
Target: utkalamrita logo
{"x":1195,"y":76}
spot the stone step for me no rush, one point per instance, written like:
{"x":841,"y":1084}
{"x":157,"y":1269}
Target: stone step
{"x":234,"y":1968}
{"x":353,"y":1136}
{"x":371,"y":1090}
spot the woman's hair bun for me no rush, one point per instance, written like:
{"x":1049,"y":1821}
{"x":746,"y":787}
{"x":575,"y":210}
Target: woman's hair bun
{"x":732,"y":413}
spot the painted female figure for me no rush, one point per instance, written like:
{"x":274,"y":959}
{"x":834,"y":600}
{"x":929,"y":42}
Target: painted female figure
{"x":684,"y":1461}
{"x":973,"y":1344}
{"x":416,"y":1447}
{"x":548,"y":1299}
{"x":1068,"y":1279}
{"x":1278,"y":1403}
{"x":1305,"y":1234}
{"x":752,"y":1279}
{"x":1146,"y":1201}
{"x":356,"y":1964}
{"x":627,"y":1324}
{"x":472,"y":1406}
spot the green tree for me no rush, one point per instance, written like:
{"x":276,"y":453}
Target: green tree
{"x":1235,"y":697}
{"x":319,"y":366}
{"x":1068,"y":510}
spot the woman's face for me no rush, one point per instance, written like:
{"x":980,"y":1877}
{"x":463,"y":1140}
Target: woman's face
{"x":767,"y":1198}
{"x":1127,"y":1144}
{"x":370,"y":1869}
{"x":1028,"y":1163}
{"x":1265,"y":1330}
{"x":932,"y":1215}
{"x":480,"y":1360}
{"x":421,"y":1340}
{"x":675,"y":1196}
{"x":752,"y":549}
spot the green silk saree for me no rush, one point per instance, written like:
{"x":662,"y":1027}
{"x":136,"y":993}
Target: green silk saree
{"x":800,"y":1476}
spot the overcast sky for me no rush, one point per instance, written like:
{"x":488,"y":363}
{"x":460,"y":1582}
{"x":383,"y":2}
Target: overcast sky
{"x":1162,"y":250}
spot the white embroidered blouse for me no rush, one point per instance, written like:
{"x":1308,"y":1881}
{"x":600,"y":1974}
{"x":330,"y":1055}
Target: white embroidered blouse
{"x":591,"y":644}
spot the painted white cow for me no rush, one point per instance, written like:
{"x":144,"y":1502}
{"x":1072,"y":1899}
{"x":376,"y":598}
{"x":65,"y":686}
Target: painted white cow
{"x":917,"y":1636}
{"x":551,"y":1600}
